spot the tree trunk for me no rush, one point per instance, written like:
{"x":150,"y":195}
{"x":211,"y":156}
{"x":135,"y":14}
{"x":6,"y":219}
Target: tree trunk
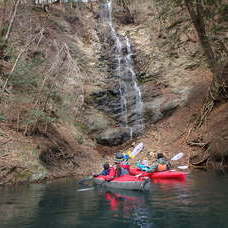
{"x":198,"y":21}
{"x":3,"y":29}
{"x":218,"y":88}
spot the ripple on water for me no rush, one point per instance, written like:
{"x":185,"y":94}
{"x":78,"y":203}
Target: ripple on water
{"x":200,"y":202}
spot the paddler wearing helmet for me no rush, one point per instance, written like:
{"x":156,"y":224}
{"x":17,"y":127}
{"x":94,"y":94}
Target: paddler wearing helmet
{"x":121,"y":163}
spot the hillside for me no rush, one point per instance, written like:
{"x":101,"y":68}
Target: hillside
{"x":59,"y":89}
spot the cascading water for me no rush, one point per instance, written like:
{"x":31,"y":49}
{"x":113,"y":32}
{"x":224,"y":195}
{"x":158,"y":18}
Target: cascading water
{"x":131,"y":106}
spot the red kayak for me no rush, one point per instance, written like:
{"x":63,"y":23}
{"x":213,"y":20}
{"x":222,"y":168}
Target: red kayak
{"x":128,"y":182}
{"x":169,"y":174}
{"x":169,"y":181}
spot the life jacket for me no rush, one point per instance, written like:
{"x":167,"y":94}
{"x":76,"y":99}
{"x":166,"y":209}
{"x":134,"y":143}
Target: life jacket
{"x":162,"y":167}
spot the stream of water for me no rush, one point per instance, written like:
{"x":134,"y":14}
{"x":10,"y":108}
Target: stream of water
{"x":123,"y":69}
{"x":200,"y":202}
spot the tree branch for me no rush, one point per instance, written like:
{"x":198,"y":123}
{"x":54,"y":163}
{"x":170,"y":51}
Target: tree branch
{"x":12,"y":20}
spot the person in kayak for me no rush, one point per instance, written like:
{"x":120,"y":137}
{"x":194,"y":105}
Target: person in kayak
{"x":121,"y":164}
{"x":122,"y":160}
{"x":105,"y":171}
{"x":161,"y":164}
{"x":120,"y":167}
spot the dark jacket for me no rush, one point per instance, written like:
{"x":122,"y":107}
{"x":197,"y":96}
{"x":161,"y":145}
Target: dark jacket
{"x":105,"y":172}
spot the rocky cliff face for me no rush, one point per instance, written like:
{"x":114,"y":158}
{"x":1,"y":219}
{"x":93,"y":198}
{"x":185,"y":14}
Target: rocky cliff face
{"x":164,"y":55}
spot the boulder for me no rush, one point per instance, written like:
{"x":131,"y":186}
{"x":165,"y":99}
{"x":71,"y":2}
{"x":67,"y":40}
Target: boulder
{"x":159,"y":108}
{"x":169,"y":106}
{"x":113,"y":136}
{"x":152,"y":110}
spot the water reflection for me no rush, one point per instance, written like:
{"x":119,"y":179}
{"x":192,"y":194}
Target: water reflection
{"x":200,"y":202}
{"x":19,"y":202}
{"x":130,"y":206}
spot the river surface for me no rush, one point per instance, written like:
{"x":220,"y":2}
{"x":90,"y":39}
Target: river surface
{"x":199,"y":202}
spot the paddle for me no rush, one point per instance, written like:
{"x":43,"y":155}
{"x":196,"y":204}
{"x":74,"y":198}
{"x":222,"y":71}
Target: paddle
{"x":177,"y":157}
{"x":136,"y":150}
{"x":82,"y":181}
{"x":182,"y":167}
{"x":85,"y":189}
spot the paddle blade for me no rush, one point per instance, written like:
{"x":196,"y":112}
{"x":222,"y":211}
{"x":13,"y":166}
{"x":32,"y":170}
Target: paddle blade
{"x":136,"y":150}
{"x":177,"y":157}
{"x":82,"y":181}
{"x":85,"y":189}
{"x":182,"y":167}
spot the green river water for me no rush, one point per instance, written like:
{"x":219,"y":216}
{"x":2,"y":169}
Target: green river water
{"x":199,"y":202}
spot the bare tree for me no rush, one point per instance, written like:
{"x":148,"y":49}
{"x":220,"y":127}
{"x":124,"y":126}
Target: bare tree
{"x":217,"y":63}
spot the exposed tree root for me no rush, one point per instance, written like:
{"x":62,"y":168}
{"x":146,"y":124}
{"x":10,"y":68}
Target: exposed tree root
{"x":197,"y":144}
{"x":201,"y":162}
{"x":59,"y":151}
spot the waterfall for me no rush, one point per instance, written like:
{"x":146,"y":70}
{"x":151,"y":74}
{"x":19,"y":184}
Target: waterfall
{"x":131,"y":115}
